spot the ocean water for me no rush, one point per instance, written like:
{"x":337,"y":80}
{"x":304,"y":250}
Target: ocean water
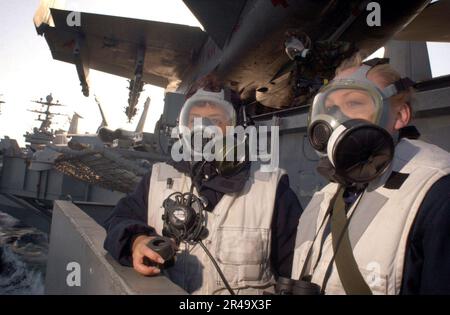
{"x":23,"y":257}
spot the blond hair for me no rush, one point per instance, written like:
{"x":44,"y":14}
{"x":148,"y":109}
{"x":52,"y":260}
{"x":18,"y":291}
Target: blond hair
{"x":384,"y":71}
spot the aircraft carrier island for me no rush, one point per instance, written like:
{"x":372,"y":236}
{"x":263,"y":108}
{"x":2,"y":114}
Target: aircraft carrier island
{"x":59,"y":188}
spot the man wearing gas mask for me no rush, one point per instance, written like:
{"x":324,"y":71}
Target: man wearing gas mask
{"x":382,"y":225}
{"x":233,"y":227}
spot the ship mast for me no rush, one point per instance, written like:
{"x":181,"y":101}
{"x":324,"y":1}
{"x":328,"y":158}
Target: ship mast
{"x":43,"y":135}
{"x":48,"y":115}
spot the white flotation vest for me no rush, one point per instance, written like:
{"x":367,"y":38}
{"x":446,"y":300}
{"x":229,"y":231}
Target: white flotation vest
{"x":239,"y":234}
{"x":380,"y":224}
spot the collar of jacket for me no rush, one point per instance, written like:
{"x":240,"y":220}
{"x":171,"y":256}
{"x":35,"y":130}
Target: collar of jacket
{"x":409,"y":132}
{"x":209,"y":178}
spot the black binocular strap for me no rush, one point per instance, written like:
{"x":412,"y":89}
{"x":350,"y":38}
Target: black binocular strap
{"x":348,"y":270}
{"x":310,"y":250}
{"x":351,"y":278}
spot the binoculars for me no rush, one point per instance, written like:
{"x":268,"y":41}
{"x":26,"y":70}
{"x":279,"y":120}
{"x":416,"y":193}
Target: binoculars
{"x":164,"y":247}
{"x":286,"y":286}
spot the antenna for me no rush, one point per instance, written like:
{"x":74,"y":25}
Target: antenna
{"x":141,"y":123}
{"x":48,"y":115}
{"x":1,"y":102}
{"x":104,"y":122}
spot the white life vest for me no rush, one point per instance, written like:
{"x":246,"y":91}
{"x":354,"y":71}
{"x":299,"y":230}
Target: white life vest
{"x":380,"y":224}
{"x":239,"y":235}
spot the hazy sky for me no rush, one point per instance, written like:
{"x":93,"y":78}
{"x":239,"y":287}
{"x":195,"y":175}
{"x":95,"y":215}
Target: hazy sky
{"x":28,"y":72}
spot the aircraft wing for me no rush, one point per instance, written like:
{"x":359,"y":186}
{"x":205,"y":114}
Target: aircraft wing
{"x":432,"y":25}
{"x":113,"y":44}
{"x":219,"y":18}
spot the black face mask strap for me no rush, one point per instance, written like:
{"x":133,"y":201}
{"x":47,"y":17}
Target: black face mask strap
{"x":376,"y":61}
{"x":402,"y":84}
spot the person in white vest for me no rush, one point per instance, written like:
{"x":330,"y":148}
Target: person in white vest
{"x":381,"y":226}
{"x":247,"y":218}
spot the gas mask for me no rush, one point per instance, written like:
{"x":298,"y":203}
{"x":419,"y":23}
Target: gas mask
{"x":346,"y":126}
{"x":204,"y":127}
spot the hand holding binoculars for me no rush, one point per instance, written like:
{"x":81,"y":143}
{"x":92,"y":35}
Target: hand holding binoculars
{"x":163,"y":246}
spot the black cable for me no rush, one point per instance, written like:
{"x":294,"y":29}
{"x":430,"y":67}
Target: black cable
{"x":194,"y":178}
{"x":158,"y":128}
{"x":222,"y":276}
{"x":193,"y":237}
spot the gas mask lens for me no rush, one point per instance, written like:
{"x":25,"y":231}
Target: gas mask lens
{"x":209,"y":114}
{"x":212,"y":107}
{"x":201,"y":132}
{"x":333,"y":106}
{"x":206,"y":125}
{"x":345,"y":103}
{"x":205,"y":116}
{"x":342,"y":104}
